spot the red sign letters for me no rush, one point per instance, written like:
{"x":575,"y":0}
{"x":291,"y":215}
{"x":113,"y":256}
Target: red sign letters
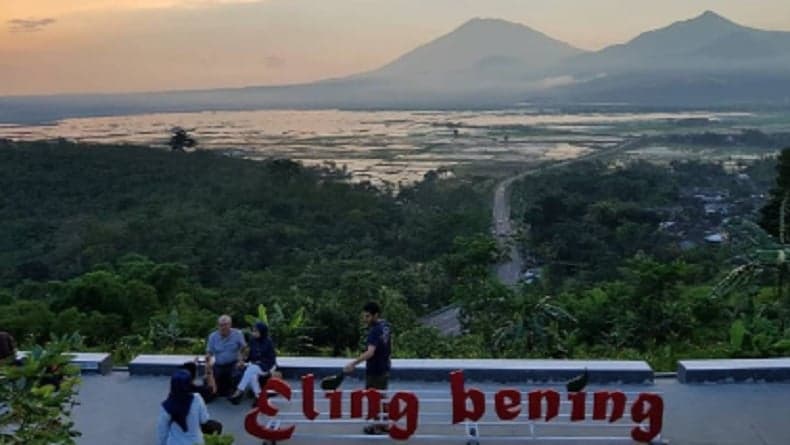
{"x":467,"y":404}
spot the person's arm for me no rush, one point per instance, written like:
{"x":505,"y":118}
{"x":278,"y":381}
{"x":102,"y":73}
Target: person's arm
{"x":209,"y":379}
{"x":272,"y":355}
{"x":368,"y":354}
{"x":209,"y":353}
{"x":242,"y":350}
{"x":267,"y":359}
{"x":210,"y":382}
{"x":162,"y":427}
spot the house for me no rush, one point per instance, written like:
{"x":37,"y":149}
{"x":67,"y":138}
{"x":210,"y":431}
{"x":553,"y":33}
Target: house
{"x":716,"y":208}
{"x":716,"y":238}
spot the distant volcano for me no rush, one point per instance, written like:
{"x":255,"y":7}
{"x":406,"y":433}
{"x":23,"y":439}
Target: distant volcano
{"x":705,"y":61}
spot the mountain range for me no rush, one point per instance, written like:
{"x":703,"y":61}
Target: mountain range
{"x":704,"y":61}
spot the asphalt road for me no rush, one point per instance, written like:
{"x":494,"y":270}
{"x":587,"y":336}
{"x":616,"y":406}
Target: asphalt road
{"x":509,"y":271}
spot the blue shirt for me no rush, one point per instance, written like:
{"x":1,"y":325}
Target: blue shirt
{"x":225,"y":349}
{"x":379,"y":336}
{"x":170,"y":433}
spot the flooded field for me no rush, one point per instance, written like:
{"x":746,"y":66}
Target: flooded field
{"x":396,"y":146}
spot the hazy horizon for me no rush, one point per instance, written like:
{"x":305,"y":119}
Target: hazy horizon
{"x":152,"y":45}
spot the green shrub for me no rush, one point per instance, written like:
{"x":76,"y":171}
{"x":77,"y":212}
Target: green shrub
{"x":38,"y":396}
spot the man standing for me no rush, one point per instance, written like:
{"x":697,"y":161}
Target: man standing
{"x":224,"y":357}
{"x":376,"y":356}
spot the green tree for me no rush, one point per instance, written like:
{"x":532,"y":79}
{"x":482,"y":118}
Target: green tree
{"x":180,"y":139}
{"x":27,"y":320}
{"x":770,"y":213}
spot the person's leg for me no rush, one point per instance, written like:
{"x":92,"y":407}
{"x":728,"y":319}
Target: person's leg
{"x":248,"y":380}
{"x":250,"y":375}
{"x":217,"y":376}
{"x":206,"y":393}
{"x":235,"y":375}
{"x":380,"y":383}
{"x":223,"y":375}
{"x":255,"y":384}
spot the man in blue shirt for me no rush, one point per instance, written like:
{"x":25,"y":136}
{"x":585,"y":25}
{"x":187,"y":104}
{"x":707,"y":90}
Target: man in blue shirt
{"x":376,"y":355}
{"x":224,"y":357}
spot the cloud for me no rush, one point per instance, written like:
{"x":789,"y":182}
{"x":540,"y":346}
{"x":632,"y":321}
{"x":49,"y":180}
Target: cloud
{"x":273,"y":62}
{"x":221,"y":2}
{"x":29,"y":25}
{"x":158,"y":4}
{"x":559,"y":81}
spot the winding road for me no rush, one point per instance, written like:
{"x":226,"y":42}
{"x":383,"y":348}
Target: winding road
{"x":509,"y":272}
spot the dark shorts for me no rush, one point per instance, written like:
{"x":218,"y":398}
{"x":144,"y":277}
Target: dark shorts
{"x":380,"y":382}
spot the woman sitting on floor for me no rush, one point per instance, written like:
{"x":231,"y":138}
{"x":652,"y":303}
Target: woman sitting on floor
{"x":261,"y":362}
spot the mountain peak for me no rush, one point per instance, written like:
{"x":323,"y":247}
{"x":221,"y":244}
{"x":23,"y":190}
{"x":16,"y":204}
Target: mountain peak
{"x":475,"y":50}
{"x":711,"y":17}
{"x":485,"y":20}
{"x":710,"y":14}
{"x":489,"y":24}
{"x":708,"y":21}
{"x":696,"y":32}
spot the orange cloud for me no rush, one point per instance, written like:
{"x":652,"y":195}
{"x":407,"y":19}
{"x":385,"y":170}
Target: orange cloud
{"x":29,"y":25}
{"x":48,"y":8}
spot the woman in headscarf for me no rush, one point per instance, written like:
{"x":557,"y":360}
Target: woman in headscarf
{"x":261,"y":361}
{"x":182,"y":413}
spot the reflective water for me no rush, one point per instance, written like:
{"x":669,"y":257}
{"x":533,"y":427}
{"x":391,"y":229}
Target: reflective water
{"x":393,"y":146}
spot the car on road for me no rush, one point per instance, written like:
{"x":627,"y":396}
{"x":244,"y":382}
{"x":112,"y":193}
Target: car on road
{"x":531,"y":275}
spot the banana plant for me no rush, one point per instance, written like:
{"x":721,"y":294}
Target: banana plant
{"x":765,"y":255}
{"x":288,"y":330}
{"x":262,"y":315}
{"x":534,"y":323}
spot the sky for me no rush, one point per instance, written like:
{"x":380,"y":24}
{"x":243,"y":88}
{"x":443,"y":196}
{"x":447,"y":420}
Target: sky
{"x":76,"y":46}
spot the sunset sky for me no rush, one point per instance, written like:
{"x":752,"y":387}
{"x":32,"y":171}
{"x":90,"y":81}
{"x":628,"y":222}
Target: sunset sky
{"x":67,"y":46}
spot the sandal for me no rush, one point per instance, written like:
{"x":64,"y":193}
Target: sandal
{"x":376,"y":430}
{"x":236,"y":398}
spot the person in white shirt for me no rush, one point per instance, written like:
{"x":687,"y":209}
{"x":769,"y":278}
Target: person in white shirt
{"x":181,"y":414}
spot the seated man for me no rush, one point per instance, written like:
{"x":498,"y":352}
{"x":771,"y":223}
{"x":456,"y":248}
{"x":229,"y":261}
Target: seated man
{"x":224,"y":357}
